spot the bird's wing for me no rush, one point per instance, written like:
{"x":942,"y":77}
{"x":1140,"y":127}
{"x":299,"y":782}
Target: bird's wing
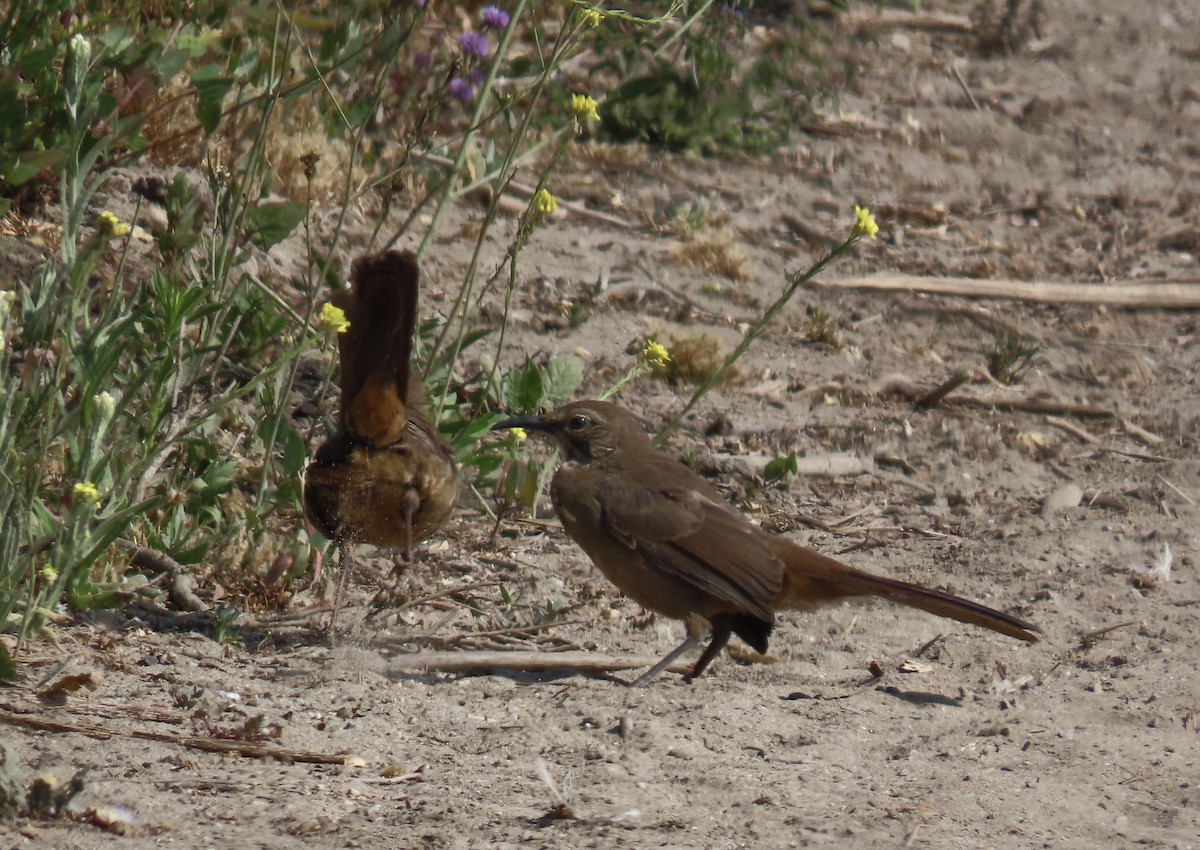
{"x":707,"y":544}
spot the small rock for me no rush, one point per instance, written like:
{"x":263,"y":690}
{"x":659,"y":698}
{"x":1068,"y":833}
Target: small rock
{"x":1066,"y":496}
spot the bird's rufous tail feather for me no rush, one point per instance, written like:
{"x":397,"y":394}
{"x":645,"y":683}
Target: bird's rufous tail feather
{"x":811,"y":579}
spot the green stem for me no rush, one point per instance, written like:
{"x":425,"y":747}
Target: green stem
{"x":524,"y":231}
{"x":684,"y":27}
{"x":481,"y":106}
{"x":459,"y":309}
{"x":794,"y":283}
{"x":636,"y":372}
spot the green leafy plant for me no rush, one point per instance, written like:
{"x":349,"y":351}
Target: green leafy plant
{"x":782,"y":471}
{"x":822,"y":328}
{"x":708,"y":85}
{"x":42,"y":135}
{"x":1009,"y":357}
{"x":225,"y":629}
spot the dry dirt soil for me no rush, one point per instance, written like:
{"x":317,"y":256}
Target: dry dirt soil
{"x":1077,"y":160}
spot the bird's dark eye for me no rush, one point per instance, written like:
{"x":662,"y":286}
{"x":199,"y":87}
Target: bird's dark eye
{"x":578,"y":422}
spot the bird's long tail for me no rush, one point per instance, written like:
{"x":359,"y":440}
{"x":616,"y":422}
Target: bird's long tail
{"x":812,"y":579}
{"x":376,"y":349}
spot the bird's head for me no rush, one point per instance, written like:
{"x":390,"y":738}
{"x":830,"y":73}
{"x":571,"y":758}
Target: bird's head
{"x":585,"y":431}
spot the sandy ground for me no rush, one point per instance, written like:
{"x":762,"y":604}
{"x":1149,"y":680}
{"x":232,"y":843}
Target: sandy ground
{"x":1080,"y":164}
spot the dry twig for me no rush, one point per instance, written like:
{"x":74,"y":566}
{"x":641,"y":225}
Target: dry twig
{"x":1088,"y":639}
{"x":932,"y":398}
{"x":904,"y":386}
{"x":1180,"y":295}
{"x":886,"y":19}
{"x":1071,"y":428}
{"x":195,"y":742}
{"x":528,"y":662}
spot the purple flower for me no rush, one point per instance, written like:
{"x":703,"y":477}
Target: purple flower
{"x":423,"y":59}
{"x":462,"y":90}
{"x":474,"y":44}
{"x":494,"y":17}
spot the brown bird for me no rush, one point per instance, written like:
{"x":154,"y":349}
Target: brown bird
{"x":386,"y":477}
{"x":669,"y":540}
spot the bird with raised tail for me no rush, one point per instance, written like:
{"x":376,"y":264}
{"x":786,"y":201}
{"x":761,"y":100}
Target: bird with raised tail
{"x":386,"y":477}
{"x":671,"y":542}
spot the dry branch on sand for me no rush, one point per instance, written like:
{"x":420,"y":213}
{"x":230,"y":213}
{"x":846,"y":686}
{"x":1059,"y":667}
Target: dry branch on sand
{"x":1179,"y":295}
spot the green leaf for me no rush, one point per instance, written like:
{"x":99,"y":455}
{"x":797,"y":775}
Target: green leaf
{"x":86,"y":596}
{"x":195,"y":42}
{"x":211,"y":89}
{"x":112,"y":528}
{"x":563,"y":377}
{"x":294,"y":456}
{"x":25,"y":165}
{"x":37,"y":59}
{"x":269,"y":224}
{"x":8,"y":667}
{"x":474,"y":430}
{"x":782,"y":470}
{"x":170,"y":62}
{"x":524,"y":388}
{"x":116,"y":40}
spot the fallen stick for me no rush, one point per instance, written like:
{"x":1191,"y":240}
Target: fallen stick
{"x":1181,"y":295}
{"x":935,"y":396}
{"x":195,"y":742}
{"x":182,"y":584}
{"x":455,"y":639}
{"x":529,"y":662}
{"x":102,"y":708}
{"x":885,"y":19}
{"x":1083,"y":434}
{"x":958,"y":78}
{"x":1035,"y":405}
{"x":1089,"y":638}
{"x":903,"y":386}
{"x":1140,"y":433}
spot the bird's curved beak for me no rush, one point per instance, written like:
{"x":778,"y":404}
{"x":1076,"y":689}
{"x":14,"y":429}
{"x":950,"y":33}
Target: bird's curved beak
{"x":530,"y":423}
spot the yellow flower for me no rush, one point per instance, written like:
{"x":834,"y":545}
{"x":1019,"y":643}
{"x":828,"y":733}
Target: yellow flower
{"x":519,"y":433}
{"x":86,"y":493}
{"x":48,"y":574}
{"x":584,"y":108}
{"x":545,"y":203}
{"x":110,"y":225}
{"x":593,"y":17}
{"x":334,"y":319}
{"x":656,"y":354}
{"x":865,"y":223}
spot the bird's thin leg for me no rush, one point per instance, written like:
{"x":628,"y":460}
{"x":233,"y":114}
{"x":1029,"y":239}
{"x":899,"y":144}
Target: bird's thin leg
{"x":411,"y":500}
{"x":345,"y":564}
{"x":720,"y":636}
{"x":697,"y":627}
{"x":667,"y":660}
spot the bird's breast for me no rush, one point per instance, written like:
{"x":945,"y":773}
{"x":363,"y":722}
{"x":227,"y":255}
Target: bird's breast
{"x":361,"y":495}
